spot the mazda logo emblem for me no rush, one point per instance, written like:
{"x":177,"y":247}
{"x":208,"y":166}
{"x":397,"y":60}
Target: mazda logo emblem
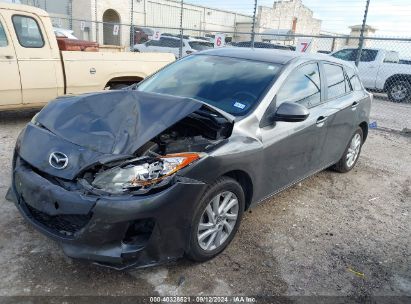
{"x":58,"y":160}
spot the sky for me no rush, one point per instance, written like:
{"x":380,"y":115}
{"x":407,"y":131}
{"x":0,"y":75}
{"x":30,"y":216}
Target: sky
{"x":390,"y":17}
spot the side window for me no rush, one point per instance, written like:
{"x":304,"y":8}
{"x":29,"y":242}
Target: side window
{"x":28,"y":32}
{"x":172,"y":43}
{"x":336,"y":82}
{"x":368,"y":55}
{"x":153,"y":43}
{"x":3,"y":37}
{"x":354,"y":79}
{"x":303,"y":87}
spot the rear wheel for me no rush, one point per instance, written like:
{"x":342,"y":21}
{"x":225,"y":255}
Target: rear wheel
{"x":400,"y":91}
{"x":216,"y":219}
{"x":351,"y":153}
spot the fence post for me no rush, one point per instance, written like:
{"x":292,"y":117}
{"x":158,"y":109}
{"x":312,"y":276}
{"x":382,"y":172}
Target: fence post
{"x":96,"y":21}
{"x":253,"y":27}
{"x":132,"y":34}
{"x":181,"y":28}
{"x":361,"y":40}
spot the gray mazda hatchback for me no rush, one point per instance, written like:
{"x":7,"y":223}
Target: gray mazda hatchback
{"x":166,"y":168}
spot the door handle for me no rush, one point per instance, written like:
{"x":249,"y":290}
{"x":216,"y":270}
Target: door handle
{"x":8,"y":56}
{"x":321,"y":121}
{"x":354,"y":106}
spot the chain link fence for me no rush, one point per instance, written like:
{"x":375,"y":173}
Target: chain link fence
{"x":182,"y":28}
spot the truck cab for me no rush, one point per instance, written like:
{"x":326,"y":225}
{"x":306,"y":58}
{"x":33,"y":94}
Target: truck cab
{"x":35,"y":71}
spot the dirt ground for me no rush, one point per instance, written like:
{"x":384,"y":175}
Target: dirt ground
{"x":333,"y":234}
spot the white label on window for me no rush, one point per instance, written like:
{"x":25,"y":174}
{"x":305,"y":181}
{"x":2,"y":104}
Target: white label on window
{"x":304,"y":45}
{"x":156,"y":36}
{"x":219,"y":40}
{"x":239,"y":105}
{"x":116,"y":29}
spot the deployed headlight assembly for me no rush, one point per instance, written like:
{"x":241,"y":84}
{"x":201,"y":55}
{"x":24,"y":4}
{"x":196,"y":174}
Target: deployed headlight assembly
{"x":142,"y":173}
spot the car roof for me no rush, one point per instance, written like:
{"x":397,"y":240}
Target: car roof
{"x":23,"y":8}
{"x":269,"y":55}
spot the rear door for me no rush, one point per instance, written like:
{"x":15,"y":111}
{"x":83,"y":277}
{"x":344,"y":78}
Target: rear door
{"x":341,"y":107}
{"x":36,"y":60}
{"x":10,"y":86}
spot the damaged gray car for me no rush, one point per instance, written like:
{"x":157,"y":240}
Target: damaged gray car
{"x":166,"y":168}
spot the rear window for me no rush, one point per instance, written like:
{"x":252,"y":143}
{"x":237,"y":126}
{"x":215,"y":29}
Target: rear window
{"x":336,"y":82}
{"x":28,"y":32}
{"x":3,"y":38}
{"x":367,"y":55}
{"x":200,"y":46}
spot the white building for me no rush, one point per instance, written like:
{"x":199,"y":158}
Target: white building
{"x":86,"y":18}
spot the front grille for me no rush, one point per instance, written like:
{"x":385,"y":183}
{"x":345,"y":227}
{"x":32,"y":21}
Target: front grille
{"x":64,"y":225}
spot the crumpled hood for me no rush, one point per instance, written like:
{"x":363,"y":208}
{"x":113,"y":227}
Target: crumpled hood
{"x":115,"y":122}
{"x":97,"y":127}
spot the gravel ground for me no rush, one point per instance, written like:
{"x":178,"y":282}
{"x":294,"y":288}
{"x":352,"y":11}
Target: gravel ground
{"x":333,"y":234}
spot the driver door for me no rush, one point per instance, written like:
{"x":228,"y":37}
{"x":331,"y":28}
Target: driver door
{"x":292,"y":150}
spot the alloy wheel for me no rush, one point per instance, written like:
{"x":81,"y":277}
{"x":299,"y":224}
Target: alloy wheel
{"x":399,"y":92}
{"x":353,"y":150}
{"x":218,"y":221}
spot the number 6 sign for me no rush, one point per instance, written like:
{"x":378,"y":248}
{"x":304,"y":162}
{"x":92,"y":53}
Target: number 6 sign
{"x":304,"y":45}
{"x":219,"y":40}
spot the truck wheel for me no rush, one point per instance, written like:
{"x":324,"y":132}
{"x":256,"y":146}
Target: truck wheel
{"x":216,"y":219}
{"x":400,"y":91}
{"x":118,"y":86}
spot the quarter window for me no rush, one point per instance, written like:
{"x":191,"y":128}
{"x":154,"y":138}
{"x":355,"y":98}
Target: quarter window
{"x":354,"y":79}
{"x":336,"y":82}
{"x":28,"y":32}
{"x":303,"y":87}
{"x":3,"y":37}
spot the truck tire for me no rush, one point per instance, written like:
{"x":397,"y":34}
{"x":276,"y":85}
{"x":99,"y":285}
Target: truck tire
{"x":399,"y":91}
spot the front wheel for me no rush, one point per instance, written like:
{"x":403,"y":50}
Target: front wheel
{"x":351,"y":153}
{"x":216,"y":219}
{"x":400,"y":91}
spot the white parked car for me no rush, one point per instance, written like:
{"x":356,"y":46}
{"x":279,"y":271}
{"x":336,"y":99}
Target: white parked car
{"x":168,"y":44}
{"x":382,"y":70}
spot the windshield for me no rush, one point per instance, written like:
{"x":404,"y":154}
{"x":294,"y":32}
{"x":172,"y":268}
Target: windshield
{"x":233,"y":85}
{"x":200,"y":46}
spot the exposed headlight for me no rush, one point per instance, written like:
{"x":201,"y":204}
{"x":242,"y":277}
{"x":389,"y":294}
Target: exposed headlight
{"x":140,"y":174}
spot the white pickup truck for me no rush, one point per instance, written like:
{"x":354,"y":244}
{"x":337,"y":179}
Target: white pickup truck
{"x":34,"y":71}
{"x":382,"y":71}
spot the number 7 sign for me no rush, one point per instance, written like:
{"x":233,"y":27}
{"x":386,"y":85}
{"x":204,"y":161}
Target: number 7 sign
{"x":304,"y":45}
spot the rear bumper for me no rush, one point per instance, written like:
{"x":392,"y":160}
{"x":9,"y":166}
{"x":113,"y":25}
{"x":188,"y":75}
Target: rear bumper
{"x":118,"y":232}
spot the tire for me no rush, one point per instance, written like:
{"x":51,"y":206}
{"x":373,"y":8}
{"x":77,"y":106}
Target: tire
{"x":224,"y":185}
{"x":343,"y":165}
{"x":399,"y":91}
{"x":119,"y":86}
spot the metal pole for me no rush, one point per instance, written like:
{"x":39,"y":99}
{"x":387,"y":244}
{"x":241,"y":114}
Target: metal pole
{"x":361,"y":41}
{"x":181,"y":28}
{"x":132,"y":34}
{"x":96,"y":21}
{"x":253,"y":28}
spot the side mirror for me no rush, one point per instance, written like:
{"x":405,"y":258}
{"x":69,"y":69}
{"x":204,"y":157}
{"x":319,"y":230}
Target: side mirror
{"x":291,"y":112}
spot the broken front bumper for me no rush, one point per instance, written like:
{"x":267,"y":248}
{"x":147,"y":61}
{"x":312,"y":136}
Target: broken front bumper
{"x":118,"y":232}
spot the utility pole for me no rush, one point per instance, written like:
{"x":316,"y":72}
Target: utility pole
{"x":132,"y":34}
{"x":181,"y":28}
{"x":361,"y":41}
{"x":253,"y":28}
